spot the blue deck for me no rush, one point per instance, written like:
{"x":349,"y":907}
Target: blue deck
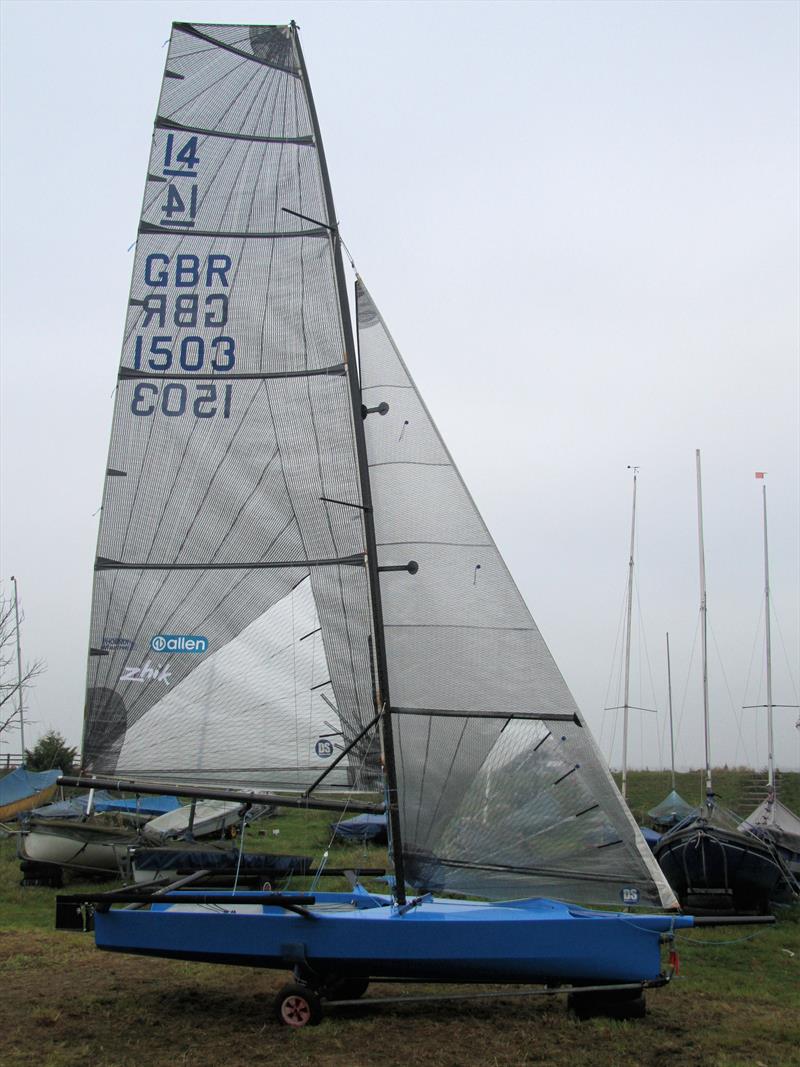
{"x":441,"y":940}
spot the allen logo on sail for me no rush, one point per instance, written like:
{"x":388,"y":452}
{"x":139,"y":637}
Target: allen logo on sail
{"x":179,"y":643}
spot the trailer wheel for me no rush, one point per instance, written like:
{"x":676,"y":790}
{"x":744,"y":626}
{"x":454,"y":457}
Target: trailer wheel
{"x":297,"y":1005}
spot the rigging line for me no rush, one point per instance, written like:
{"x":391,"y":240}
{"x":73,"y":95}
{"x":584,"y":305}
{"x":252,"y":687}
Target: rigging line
{"x":756,"y":636}
{"x":774,"y":615}
{"x":643,"y":643}
{"x":356,"y":778}
{"x":688,"y":676}
{"x":737,"y":713}
{"x":612,"y":666}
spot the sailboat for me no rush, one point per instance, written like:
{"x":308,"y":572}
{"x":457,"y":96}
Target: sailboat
{"x":296,"y":601}
{"x":673,"y":808}
{"x":22,"y":790}
{"x":772,"y":819}
{"x":710,"y":863}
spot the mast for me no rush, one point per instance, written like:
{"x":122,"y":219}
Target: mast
{"x":671,"y":732}
{"x":703,"y":622}
{"x":770,"y":738}
{"x":626,"y":705}
{"x":382,"y":683}
{"x":19,"y":672}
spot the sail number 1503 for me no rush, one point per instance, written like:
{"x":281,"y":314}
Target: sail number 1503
{"x":201,"y":399}
{"x":204,"y":400}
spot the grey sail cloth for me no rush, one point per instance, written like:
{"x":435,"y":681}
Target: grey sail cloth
{"x":672,"y":809}
{"x":496,"y":799}
{"x":230,"y":616}
{"x":778,"y":822}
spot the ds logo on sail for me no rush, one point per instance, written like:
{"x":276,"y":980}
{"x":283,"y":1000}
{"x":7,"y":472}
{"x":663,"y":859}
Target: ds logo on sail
{"x":179,"y":643}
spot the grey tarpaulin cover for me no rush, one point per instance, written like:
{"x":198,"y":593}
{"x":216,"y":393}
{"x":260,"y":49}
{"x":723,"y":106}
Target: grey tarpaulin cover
{"x":672,"y":809}
{"x":777,"y":821}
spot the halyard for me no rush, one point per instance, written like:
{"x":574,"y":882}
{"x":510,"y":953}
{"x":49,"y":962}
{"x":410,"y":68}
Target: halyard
{"x":62,"y":1002}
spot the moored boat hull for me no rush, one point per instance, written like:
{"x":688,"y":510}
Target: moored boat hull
{"x":83,"y":847}
{"x":720,"y":870}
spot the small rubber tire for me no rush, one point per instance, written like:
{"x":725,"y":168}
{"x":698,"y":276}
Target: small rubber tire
{"x":298,"y":1005}
{"x":346,"y":988}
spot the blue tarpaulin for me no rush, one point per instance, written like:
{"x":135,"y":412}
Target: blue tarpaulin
{"x":361,"y":828}
{"x":75,"y":807}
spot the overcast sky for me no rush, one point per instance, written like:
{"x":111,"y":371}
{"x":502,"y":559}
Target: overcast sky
{"x":580,"y":222}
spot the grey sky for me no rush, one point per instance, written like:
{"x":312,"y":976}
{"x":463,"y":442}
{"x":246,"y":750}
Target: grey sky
{"x":580,"y":222}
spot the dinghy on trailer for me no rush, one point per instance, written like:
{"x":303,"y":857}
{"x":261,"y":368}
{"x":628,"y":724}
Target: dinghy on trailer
{"x":296,"y":594}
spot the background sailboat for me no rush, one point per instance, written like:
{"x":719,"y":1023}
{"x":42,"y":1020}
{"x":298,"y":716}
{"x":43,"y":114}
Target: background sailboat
{"x":771,"y":818}
{"x":708,"y":861}
{"x":673,"y":808}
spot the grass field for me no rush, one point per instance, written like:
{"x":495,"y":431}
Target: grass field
{"x":63,"y":1003}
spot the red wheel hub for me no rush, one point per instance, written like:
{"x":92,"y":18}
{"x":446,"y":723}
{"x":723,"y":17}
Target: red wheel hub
{"x":295,"y":1011}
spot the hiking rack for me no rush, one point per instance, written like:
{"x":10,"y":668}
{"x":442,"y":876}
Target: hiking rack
{"x":75,"y":911}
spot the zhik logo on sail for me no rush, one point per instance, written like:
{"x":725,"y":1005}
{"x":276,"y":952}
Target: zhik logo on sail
{"x":179,"y":643}
{"x":146,"y":673}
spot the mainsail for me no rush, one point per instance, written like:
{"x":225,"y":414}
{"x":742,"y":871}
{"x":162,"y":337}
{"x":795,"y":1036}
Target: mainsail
{"x":230,"y":616}
{"x":503,"y":791}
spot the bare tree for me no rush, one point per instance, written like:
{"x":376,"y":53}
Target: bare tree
{"x":9,"y":682}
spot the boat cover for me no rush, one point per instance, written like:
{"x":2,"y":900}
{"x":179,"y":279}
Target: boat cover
{"x":361,"y":828}
{"x":777,"y":822}
{"x":652,"y":837}
{"x":75,"y":807}
{"x":672,"y":810}
{"x":219,"y":860}
{"x":22,"y":785}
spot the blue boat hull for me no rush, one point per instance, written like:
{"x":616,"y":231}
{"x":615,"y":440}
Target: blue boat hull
{"x":438,"y":940}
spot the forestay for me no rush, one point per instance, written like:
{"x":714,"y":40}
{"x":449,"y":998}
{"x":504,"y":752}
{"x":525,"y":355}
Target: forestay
{"x":503,"y":792}
{"x":230,"y":616}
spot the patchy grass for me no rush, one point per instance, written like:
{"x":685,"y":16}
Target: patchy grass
{"x":64,"y":1004}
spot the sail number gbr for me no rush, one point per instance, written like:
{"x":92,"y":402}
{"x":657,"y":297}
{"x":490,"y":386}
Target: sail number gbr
{"x":171,"y":353}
